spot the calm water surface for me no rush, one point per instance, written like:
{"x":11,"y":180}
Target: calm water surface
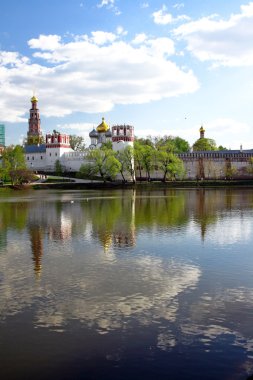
{"x":126,"y":285}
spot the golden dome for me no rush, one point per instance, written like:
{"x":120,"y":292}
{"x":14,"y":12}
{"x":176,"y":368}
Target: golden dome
{"x":34,"y":99}
{"x":103,"y":127}
{"x":201,"y":129}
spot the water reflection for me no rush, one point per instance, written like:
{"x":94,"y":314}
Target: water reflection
{"x":119,"y":261}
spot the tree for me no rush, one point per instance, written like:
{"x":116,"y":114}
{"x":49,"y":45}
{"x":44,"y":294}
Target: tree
{"x":58,"y":168}
{"x":172,"y":144}
{"x":169,"y":164}
{"x":77,"y":143}
{"x":13,"y":158}
{"x":20,"y":176}
{"x":104,"y":163}
{"x":204,"y":144}
{"x":147,"y":156}
{"x":126,"y":159}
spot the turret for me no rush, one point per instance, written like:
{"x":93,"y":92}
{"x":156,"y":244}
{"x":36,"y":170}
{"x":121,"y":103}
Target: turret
{"x":202,"y":132}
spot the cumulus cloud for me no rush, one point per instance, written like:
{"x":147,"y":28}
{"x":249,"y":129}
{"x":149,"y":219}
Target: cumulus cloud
{"x":162,"y":16}
{"x":139,"y":38}
{"x":90,"y":74}
{"x":50,"y":42}
{"x":223,"y":42}
{"x":100,"y":38}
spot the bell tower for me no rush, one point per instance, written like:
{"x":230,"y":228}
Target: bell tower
{"x":34,"y":135}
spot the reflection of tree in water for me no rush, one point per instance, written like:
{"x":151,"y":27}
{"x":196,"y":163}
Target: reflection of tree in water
{"x":13,"y":215}
{"x":210,"y":205}
{"x":161,"y":210}
{"x":112,"y":219}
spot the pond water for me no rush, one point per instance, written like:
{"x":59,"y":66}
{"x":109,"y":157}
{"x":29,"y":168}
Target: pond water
{"x":126,"y":284}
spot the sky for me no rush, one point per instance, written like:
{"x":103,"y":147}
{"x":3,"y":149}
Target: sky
{"x":165,"y":67}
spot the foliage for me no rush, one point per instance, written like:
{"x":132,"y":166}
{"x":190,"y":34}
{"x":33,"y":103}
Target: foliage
{"x":77,"y":143}
{"x":220,"y":147}
{"x":13,"y":158}
{"x":172,"y":144}
{"x":230,"y":171}
{"x":204,"y":144}
{"x":170,"y":164}
{"x":107,"y":144}
{"x":21,"y":176}
{"x":125,"y":157}
{"x":58,"y":168}
{"x":104,"y":163}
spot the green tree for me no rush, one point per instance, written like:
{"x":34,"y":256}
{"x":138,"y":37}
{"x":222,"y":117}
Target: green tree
{"x":147,"y":159}
{"x":126,"y":159}
{"x":204,"y":144}
{"x":172,"y":144}
{"x":169,"y":164}
{"x":58,"y":168}
{"x":13,"y":159}
{"x":104,"y":163}
{"x":77,"y":143}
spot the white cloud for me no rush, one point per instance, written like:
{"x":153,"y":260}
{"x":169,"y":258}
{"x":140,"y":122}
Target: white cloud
{"x":101,"y":38}
{"x":109,"y":4}
{"x":85,"y":76}
{"x":121,"y":31}
{"x":162,"y":46}
{"x":224,"y":42}
{"x":139,"y":38}
{"x":162,"y":17}
{"x":50,"y":42}
{"x":106,"y":3}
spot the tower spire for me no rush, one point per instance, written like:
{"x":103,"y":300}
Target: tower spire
{"x":34,"y":135}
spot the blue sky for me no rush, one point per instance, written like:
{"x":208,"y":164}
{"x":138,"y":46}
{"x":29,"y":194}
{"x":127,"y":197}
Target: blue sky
{"x":166,"y":67}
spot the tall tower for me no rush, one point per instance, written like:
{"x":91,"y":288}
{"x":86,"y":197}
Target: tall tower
{"x":34,"y":135}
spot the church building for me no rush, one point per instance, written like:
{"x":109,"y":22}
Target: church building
{"x":43,"y":152}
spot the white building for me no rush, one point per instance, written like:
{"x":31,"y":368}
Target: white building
{"x":42,"y":155}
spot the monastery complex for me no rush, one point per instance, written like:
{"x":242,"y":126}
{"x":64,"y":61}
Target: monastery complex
{"x":43,"y":152}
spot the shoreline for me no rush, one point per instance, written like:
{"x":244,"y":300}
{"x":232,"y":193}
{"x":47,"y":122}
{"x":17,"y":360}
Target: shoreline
{"x":154,"y":185}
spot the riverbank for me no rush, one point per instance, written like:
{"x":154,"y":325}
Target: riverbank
{"x":78,"y":185}
{"x":144,"y":185}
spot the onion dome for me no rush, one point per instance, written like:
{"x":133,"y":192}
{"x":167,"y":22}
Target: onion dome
{"x":34,"y":99}
{"x":93,"y":133}
{"x":108,"y":133}
{"x":201,"y":129}
{"x":103,"y":127}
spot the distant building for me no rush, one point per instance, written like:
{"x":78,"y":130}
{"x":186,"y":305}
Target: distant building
{"x":2,"y":137}
{"x":43,"y":152}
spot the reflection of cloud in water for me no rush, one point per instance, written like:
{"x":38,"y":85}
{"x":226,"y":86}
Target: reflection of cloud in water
{"x":228,"y":313}
{"x":106,"y":295}
{"x":229,"y":229}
